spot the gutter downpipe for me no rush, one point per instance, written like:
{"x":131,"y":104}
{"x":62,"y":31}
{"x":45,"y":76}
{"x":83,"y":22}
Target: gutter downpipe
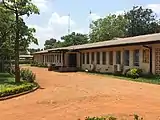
{"x":150,"y":49}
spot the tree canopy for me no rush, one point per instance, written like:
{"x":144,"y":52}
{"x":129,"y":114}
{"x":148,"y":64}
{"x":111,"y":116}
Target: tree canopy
{"x":49,"y":44}
{"x":67,"y":40}
{"x":137,"y":21}
{"x":108,"y":28}
{"x":141,"y":21}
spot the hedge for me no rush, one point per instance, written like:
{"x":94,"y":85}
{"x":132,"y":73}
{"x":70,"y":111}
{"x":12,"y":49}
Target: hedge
{"x":17,"y":89}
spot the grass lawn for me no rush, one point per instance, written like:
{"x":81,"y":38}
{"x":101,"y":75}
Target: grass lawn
{"x":146,"y":79}
{"x":9,"y":87}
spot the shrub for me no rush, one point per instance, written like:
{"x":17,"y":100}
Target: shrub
{"x":27,"y":75}
{"x":18,"y":89}
{"x":36,"y":64}
{"x":134,"y":73}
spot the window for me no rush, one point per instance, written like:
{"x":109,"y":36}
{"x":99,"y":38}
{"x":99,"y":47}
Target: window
{"x":126,"y":57}
{"x":98,"y":57}
{"x":83,"y":58}
{"x":88,"y":58}
{"x":118,"y":57}
{"x":111,"y":57}
{"x":146,"y":56}
{"x":104,"y":58}
{"x":92,"y":57}
{"x":136,"y":57}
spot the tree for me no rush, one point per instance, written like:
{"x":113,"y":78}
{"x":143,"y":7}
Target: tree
{"x":32,"y":50}
{"x":20,"y":8}
{"x":141,"y":21}
{"x":74,"y":39}
{"x":49,"y":44}
{"x":108,"y":28}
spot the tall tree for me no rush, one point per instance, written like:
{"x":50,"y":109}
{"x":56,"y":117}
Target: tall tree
{"x":19,"y":8}
{"x":108,"y":28}
{"x":74,"y":39}
{"x":141,"y":21}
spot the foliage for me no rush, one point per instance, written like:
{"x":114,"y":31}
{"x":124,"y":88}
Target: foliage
{"x":36,"y":64}
{"x":108,"y":28}
{"x":22,"y":33}
{"x":67,"y":40}
{"x":74,"y":39}
{"x":49,"y":44}
{"x":6,"y":32}
{"x":141,"y":21}
{"x":9,"y":87}
{"x":137,"y":21}
{"x":27,"y":75}
{"x":33,"y":50}
{"x":134,"y":73}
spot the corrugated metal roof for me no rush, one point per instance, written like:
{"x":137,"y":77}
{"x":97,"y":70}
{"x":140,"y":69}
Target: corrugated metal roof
{"x":119,"y":41}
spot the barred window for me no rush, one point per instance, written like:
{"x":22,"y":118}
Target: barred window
{"x":136,"y":57}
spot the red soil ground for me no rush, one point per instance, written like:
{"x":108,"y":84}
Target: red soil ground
{"x":70,"y":96}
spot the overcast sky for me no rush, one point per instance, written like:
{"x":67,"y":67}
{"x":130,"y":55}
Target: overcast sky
{"x":53,"y":19}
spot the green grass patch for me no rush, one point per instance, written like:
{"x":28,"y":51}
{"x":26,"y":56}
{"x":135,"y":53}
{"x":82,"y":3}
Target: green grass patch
{"x":9,"y":87}
{"x":146,"y":79}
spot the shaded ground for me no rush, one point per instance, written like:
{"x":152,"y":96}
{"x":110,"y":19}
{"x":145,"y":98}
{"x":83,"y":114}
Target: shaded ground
{"x":69,"y":96}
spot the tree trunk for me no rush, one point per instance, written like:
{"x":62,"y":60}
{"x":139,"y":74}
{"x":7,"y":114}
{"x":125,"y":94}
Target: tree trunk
{"x":17,"y":69}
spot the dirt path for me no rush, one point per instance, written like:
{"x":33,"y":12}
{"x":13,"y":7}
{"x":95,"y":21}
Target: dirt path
{"x":69,"y":96}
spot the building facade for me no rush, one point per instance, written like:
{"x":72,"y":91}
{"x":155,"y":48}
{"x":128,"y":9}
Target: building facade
{"x":109,"y":56}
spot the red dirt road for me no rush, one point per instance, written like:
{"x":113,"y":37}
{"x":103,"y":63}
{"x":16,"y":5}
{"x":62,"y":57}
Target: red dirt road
{"x":70,"y":96}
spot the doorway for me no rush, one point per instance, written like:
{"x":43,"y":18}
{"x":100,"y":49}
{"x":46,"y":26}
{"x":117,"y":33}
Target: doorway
{"x":72,"y":60}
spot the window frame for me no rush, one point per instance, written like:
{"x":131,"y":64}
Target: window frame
{"x":135,"y":60}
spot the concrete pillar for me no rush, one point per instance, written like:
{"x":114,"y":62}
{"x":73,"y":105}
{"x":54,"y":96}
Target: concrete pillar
{"x":114,"y":57}
{"x":101,"y":58}
{"x":131,"y":58}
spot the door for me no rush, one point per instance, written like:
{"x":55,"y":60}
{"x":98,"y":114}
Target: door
{"x":72,"y":60}
{"x":157,"y":61}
